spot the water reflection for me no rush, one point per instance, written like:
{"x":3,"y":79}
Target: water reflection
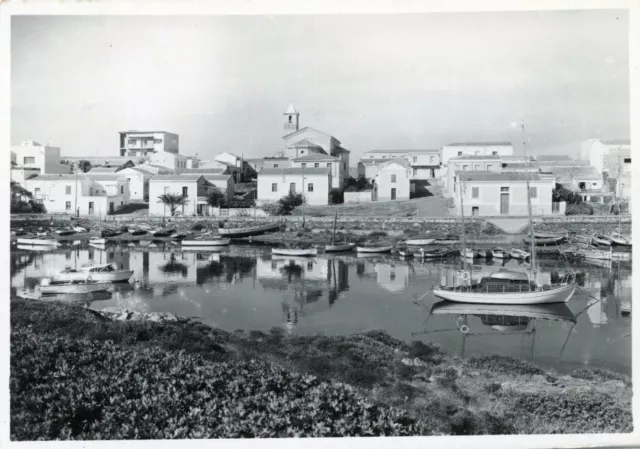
{"x":247,"y":288}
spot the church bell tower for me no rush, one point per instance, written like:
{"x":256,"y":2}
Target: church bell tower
{"x":291,"y":119}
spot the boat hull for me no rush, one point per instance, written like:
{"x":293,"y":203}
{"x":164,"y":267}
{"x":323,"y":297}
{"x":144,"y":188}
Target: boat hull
{"x":375,"y":249}
{"x":216,"y":242}
{"x":539,"y":241}
{"x":77,"y":289}
{"x":420,"y":242}
{"x":294,"y":252}
{"x":113,"y":276}
{"x":552,"y":296}
{"x":249,"y":231}
{"x":339,"y":248}
{"x":37,"y":242}
{"x":559,"y":311}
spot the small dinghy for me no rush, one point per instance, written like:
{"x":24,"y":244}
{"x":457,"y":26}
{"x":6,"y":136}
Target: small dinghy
{"x":200,"y":241}
{"x":519,"y":254}
{"x":446,"y":241}
{"x":137,"y":231}
{"x":36,"y":242}
{"x":594,"y":253}
{"x":420,"y":242}
{"x":408,"y":252}
{"x":339,"y":247}
{"x":484,"y":254}
{"x":49,"y":287}
{"x":144,"y":243}
{"x":437,"y":253}
{"x":619,"y":240}
{"x":601,"y":239}
{"x":294,"y":251}
{"x":374,"y":249}
{"x":99,"y":273}
{"x":583,"y":238}
{"x":63,"y":232}
{"x":79,"y":229}
{"x":77,"y":242}
{"x":163,"y":232}
{"x":180,"y":235}
{"x":42,"y":234}
{"x":499,"y":253}
{"x":542,"y":241}
{"x":468,"y":253}
{"x":250,"y":230}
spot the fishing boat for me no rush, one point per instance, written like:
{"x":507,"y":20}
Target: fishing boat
{"x":436,"y":253}
{"x":420,"y":242}
{"x":42,"y":248}
{"x":48,"y":287}
{"x":519,"y":254}
{"x":601,"y":239}
{"x":406,"y":252}
{"x":180,"y":235}
{"x":549,"y":235}
{"x":484,"y":254}
{"x":98,"y":241}
{"x":374,"y":249}
{"x":499,"y":253}
{"x":468,"y":253}
{"x":446,"y":241}
{"x":63,"y":232}
{"x":79,"y":229}
{"x":34,"y":242}
{"x":586,"y":239}
{"x":592,"y":252}
{"x":200,"y":241}
{"x":294,"y":251}
{"x":99,"y":273}
{"x":338,"y":247}
{"x":494,"y":291}
{"x":137,"y":231}
{"x":163,"y":232}
{"x":248,"y":231}
{"x":619,"y":240}
{"x":542,"y":241}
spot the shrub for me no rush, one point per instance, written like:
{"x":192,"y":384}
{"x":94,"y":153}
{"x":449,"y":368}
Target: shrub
{"x":579,"y":209}
{"x":503,"y":364}
{"x":428,"y":351}
{"x":386,"y":339}
{"x":273,"y":208}
{"x":290,"y":202}
{"x":64,"y":388}
{"x":599,"y":375}
{"x":198,"y":227}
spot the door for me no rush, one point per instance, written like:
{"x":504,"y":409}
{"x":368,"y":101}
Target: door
{"x":393,"y":193}
{"x":90,"y":207}
{"x":292,"y":188}
{"x":111,"y":207}
{"x":475,"y":211}
{"x":504,"y":203}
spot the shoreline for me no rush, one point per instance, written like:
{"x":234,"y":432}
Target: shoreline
{"x":416,"y":387}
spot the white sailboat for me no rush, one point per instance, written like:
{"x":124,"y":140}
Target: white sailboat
{"x":339,"y":247}
{"x":530,"y":293}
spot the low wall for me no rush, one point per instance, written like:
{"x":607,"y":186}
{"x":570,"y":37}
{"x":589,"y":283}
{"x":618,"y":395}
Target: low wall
{"x":358,"y":197}
{"x":250,"y":212}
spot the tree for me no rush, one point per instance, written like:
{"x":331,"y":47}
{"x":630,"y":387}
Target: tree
{"x":84,"y":166}
{"x":215,"y":198}
{"x":173,"y":200}
{"x":562,"y":194}
{"x":18,"y":194}
{"x":290,"y":202}
{"x":362,"y":183}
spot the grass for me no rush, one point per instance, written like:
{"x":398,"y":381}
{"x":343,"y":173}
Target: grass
{"x":76,"y":375}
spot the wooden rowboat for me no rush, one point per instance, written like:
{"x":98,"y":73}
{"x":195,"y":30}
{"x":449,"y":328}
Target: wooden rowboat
{"x":374,"y":249}
{"x":420,"y":242}
{"x":294,"y":252}
{"x":48,"y":287}
{"x":248,"y":231}
{"x":35,"y":242}
{"x":199,"y":241}
{"x":339,"y":247}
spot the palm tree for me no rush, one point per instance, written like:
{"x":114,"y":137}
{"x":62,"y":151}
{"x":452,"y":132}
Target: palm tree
{"x":173,"y":201}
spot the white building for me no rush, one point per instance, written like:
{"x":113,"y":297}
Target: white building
{"x":69,"y":193}
{"x":173,"y":161}
{"x":194,"y":186}
{"x":392,"y":182}
{"x":21,"y":174}
{"x":475,"y":149}
{"x":491,"y":194}
{"x":467,"y":163}
{"x":606,"y":155}
{"x":222,"y":167}
{"x":313,"y":183}
{"x":144,"y":143}
{"x":30,"y":154}
{"x":224,"y":183}
{"x":138,"y":182}
{"x":319,"y":160}
{"x":425,"y":164}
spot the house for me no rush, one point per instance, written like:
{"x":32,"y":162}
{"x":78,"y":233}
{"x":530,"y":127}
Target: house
{"x":194,"y":186}
{"x":21,"y":174}
{"x":369,"y":167}
{"x":487,"y":193}
{"x":102,"y":162}
{"x":67,"y":193}
{"x":113,"y":185}
{"x":224,"y":183}
{"x":425,"y":163}
{"x":30,"y":154}
{"x":172,"y":161}
{"x":392,"y":182}
{"x":155,"y":169}
{"x":607,"y":155}
{"x":475,"y":149}
{"x":145,"y":143}
{"x":227,"y":168}
{"x":313,"y":183}
{"x":317,"y":160}
{"x":467,"y":163}
{"x":138,"y":183}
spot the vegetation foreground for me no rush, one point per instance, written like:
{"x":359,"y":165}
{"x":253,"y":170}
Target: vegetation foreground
{"x":77,"y":375}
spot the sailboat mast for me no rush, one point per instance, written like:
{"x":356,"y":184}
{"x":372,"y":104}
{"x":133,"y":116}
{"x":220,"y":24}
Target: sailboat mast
{"x":526,"y":159}
{"x":463,"y":239}
{"x":335,"y":223}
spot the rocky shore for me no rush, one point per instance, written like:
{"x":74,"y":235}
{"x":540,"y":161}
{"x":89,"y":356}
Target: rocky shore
{"x":81,"y":374}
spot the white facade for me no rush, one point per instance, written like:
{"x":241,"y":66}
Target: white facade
{"x":144,"y":143}
{"x":31,"y":154}
{"x":194,"y":186}
{"x":172,"y":161}
{"x":493,"y":194}
{"x":606,"y":155}
{"x":138,"y":183}
{"x":224,"y":183}
{"x":392,"y":182}
{"x":475,"y":149}
{"x":425,"y":164}
{"x":313,"y":183}
{"x":21,"y":174}
{"x":467,"y":163}
{"x":58,"y":194}
{"x":321,"y":161}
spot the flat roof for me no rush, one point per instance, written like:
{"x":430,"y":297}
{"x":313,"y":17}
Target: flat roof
{"x":418,"y":150}
{"x":475,"y":158}
{"x":295,"y":171}
{"x":479,"y":144}
{"x":488,"y":176}
{"x":59,"y":177}
{"x":177,"y":178}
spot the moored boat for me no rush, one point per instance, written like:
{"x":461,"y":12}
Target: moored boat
{"x":294,"y":251}
{"x":163,"y":232}
{"x":200,"y":241}
{"x":137,"y":231}
{"x":499,"y":253}
{"x":519,"y":254}
{"x":79,"y":229}
{"x":468,"y":253}
{"x":64,"y":232}
{"x":595,"y":253}
{"x":551,"y":295}
{"x":436,"y":253}
{"x":35,"y":242}
{"x":420,"y":242}
{"x":99,"y":273}
{"x":619,"y":240}
{"x":250,"y":230}
{"x":601,"y":239}
{"x":541,"y":241}
{"x":180,"y":235}
{"x":339,"y":247}
{"x":374,"y":249}
{"x":484,"y":253}
{"x":79,"y":287}
{"x":406,"y":252}
{"x":98,"y":241}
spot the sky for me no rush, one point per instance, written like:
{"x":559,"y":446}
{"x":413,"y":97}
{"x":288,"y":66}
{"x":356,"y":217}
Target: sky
{"x":403,"y":81}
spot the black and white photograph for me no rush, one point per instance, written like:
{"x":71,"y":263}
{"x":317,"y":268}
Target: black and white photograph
{"x":295,"y":224}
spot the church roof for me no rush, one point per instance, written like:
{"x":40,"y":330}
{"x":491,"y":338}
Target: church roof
{"x":313,"y":129}
{"x":399,"y":161}
{"x":316,"y":158}
{"x":306,"y":143}
{"x":291,"y":109}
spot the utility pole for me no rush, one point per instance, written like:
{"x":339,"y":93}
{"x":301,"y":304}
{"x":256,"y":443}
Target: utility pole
{"x":77,"y":167}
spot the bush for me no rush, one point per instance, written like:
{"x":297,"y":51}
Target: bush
{"x":428,"y":351}
{"x":272,"y":208}
{"x":599,"y":375}
{"x":504,"y":364}
{"x":290,"y":202}
{"x":66,"y":388}
{"x":579,"y":209}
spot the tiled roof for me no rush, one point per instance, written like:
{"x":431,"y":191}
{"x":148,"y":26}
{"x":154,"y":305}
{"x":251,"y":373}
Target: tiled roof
{"x":107,"y":177}
{"x":479,"y":144}
{"x":468,"y":176}
{"x":295,"y":171}
{"x":374,"y":161}
{"x":191,"y":171}
{"x":313,"y":129}
{"x":177,"y":178}
{"x":61,"y":177}
{"x":399,"y":161}
{"x":305,"y":143}
{"x":316,"y":157}
{"x":215,"y":177}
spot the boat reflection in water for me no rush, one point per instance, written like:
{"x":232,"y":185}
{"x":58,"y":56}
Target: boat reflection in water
{"x":502,"y":319}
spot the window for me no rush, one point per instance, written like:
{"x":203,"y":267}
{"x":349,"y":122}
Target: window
{"x":477,"y":167}
{"x":431,"y":159}
{"x":185,"y":191}
{"x":292,"y":187}
{"x":494,"y":153}
{"x":121,"y":190}
{"x":489,"y":167}
{"x":67,"y":205}
{"x":415,"y":159}
{"x":309,"y":265}
{"x":310,"y":187}
{"x":301,"y":151}
{"x":274,"y":187}
{"x":475,"y":211}
{"x":415,"y":172}
{"x":166,"y":190}
{"x":465,"y":167}
{"x":475,"y":192}
{"x":37,"y":193}
{"x":316,"y":165}
{"x":290,"y":119}
{"x":275,"y":165}
{"x":393,"y":178}
{"x":304,"y":165}
{"x":504,"y":189}
{"x":67,"y":190}
{"x":627,"y":160}
{"x":29,"y":160}
{"x":459,"y":153}
{"x":329,"y":164}
{"x":533,"y":192}
{"x":454,"y":183}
